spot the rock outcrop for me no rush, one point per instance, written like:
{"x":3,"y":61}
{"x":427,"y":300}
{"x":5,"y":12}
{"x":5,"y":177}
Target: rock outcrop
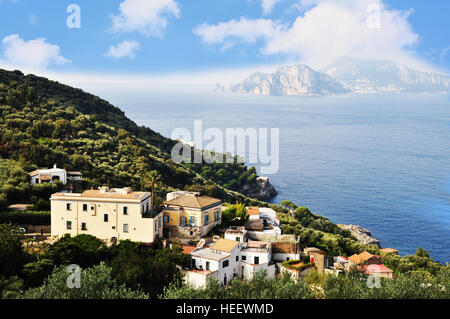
{"x":361,"y":234}
{"x":261,"y":190}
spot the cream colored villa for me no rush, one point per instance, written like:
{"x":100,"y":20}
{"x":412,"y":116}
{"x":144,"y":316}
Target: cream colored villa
{"x":108,"y":214}
{"x":188,"y":215}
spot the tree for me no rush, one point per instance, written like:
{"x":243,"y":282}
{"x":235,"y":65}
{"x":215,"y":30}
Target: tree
{"x":96,"y":283}
{"x":288,"y":204}
{"x":150,"y":179}
{"x":12,"y":257}
{"x":83,"y":250}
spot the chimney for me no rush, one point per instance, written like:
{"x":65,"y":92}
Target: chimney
{"x":127,"y":190}
{"x":54,"y":166}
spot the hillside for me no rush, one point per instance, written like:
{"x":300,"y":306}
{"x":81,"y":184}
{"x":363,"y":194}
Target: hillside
{"x":44,"y":122}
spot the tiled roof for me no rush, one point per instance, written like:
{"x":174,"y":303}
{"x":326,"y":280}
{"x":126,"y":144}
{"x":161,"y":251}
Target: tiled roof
{"x":255,"y":225}
{"x":224,"y":245}
{"x":105,"y":195}
{"x":377,"y":269}
{"x":253,"y":211}
{"x":34,"y":173}
{"x":362,"y":257}
{"x":187,"y":249}
{"x":193,"y":201}
{"x":45,"y":177}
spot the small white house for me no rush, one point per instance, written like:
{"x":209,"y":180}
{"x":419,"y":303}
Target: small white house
{"x":236,"y":233}
{"x":227,"y":259}
{"x":54,"y":174}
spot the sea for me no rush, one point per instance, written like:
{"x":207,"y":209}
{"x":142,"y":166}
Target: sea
{"x":378,"y":161}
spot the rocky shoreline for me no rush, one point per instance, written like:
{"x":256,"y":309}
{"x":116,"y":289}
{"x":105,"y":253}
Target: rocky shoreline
{"x":263,"y":190}
{"x":361,"y":234}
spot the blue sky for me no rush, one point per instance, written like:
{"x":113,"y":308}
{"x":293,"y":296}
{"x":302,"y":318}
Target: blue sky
{"x":147,"y":37}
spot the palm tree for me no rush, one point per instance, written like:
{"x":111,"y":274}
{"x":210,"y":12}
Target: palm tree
{"x":150,"y":179}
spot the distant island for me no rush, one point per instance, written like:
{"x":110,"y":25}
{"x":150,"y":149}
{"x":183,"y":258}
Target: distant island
{"x":346,"y":75}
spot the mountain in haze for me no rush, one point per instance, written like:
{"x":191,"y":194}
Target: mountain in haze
{"x":377,"y":76}
{"x":344,"y":76}
{"x":288,"y":80}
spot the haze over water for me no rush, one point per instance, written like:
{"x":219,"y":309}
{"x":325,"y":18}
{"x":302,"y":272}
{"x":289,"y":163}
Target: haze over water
{"x":382,"y":162}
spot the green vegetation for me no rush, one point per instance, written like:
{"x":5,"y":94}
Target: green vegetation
{"x":352,"y":285}
{"x":297,"y":265}
{"x":96,"y":283}
{"x":128,"y":269}
{"x":260,"y":287}
{"x":234,"y":215}
{"x":44,"y":122}
{"x":25,"y":217}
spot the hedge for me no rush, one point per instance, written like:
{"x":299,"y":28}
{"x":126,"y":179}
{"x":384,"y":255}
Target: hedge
{"x":290,"y":265}
{"x":25,"y":217}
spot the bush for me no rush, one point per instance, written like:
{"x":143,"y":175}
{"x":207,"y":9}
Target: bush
{"x":25,"y":217}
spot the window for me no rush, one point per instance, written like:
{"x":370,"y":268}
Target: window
{"x":166,"y":218}
{"x":216,"y":215}
{"x":105,"y":218}
{"x":225,"y":264}
{"x":256,"y":260}
{"x":159,"y":222}
{"x":244,"y":257}
{"x":125,"y":210}
{"x":37,"y":180}
{"x":85,"y":208}
{"x":207,"y":265}
{"x":68,"y":206}
{"x":83,"y":226}
{"x":183,"y":220}
{"x":68,"y":224}
{"x":206,"y":219}
{"x":237,"y":258}
{"x":125,"y":228}
{"x":238,"y":239}
{"x":192,"y":220}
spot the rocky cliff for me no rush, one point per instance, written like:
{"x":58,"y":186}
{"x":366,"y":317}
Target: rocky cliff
{"x":361,"y":234}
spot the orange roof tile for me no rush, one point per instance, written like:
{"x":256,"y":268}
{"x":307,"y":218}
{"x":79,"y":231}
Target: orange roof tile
{"x":253,"y":211}
{"x":193,"y":201}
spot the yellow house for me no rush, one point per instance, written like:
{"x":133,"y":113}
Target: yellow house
{"x":189,"y":215}
{"x":108,"y":214}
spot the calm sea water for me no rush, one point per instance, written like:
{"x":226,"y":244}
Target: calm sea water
{"x":382,"y":162}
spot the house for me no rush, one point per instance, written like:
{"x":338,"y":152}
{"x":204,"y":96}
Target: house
{"x":227,"y":259}
{"x":68,"y":178}
{"x":379,"y":270}
{"x":319,"y":258}
{"x":365,"y":258}
{"x":191,"y":216}
{"x":262,"y":220}
{"x":389,"y":251}
{"x":109,"y":214}
{"x":237,"y":233}
{"x":340,"y":263}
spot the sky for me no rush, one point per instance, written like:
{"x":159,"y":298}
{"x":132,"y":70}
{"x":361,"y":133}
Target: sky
{"x":107,"y":42}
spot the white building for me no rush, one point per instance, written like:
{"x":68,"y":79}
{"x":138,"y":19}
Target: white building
{"x":236,"y":233}
{"x":54,"y":174}
{"x":262,"y":221}
{"x":108,"y":214}
{"x":227,"y":259}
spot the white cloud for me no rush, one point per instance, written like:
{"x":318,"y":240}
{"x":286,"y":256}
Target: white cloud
{"x":326,"y":31}
{"x":35,"y":54}
{"x":149,"y":17}
{"x":123,"y":49}
{"x":247,"y":30}
{"x":268,"y":5}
